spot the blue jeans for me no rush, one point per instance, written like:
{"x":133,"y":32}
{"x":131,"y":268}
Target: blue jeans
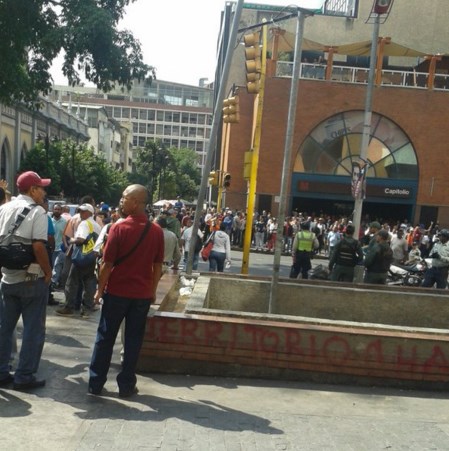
{"x":196,"y":257}
{"x":435,"y":275}
{"x":58,"y":263}
{"x":115,"y":310}
{"x":216,"y":261}
{"x":29,"y":300}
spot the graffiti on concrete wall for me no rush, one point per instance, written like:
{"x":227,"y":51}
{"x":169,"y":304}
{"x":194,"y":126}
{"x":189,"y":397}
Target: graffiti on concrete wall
{"x":314,"y":345}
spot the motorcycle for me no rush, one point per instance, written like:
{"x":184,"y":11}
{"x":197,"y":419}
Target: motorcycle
{"x":407,"y":275}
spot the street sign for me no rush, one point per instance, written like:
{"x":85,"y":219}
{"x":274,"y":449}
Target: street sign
{"x":277,"y":8}
{"x":340,"y":8}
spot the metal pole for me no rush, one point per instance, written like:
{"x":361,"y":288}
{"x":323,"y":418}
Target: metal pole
{"x":358,"y":203}
{"x":255,"y":156}
{"x":286,"y":164}
{"x":214,"y":131}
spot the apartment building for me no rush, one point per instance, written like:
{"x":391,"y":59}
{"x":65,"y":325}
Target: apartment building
{"x":179,"y":115}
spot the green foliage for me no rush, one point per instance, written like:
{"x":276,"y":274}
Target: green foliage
{"x":33,"y":32}
{"x":167,"y":172}
{"x":187,"y":175}
{"x":76,"y":170}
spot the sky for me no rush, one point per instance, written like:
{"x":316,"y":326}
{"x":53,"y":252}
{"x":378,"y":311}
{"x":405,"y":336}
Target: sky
{"x":179,"y":37}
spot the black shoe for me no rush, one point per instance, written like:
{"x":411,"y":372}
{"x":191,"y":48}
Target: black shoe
{"x":64,"y":311}
{"x":95,"y":391}
{"x":29,"y":385}
{"x":84,"y":313}
{"x":7,"y":380}
{"x":128,"y":393}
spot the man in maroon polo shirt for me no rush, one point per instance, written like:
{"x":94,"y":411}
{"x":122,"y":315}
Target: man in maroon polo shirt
{"x":127,"y":284}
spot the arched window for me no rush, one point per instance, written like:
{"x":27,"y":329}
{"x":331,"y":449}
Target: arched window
{"x":335,"y":144}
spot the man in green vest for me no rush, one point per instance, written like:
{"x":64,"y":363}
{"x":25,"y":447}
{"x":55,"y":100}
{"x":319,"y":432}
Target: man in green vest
{"x":304,"y":244}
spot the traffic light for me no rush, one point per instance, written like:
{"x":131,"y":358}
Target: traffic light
{"x":231,"y":110}
{"x":253,"y":62}
{"x":382,"y":6}
{"x":213,"y":178}
{"x":226,"y":180}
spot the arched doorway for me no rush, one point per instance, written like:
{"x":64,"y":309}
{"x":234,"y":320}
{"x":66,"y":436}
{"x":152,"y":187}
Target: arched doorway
{"x":322,"y":170}
{"x":23,"y":152}
{"x":5,"y":166}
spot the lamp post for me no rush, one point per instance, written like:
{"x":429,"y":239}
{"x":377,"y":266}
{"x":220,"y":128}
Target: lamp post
{"x":163,"y":162}
{"x":380,"y":8}
{"x":288,"y":148}
{"x":73,"y":169}
{"x":47,"y":148}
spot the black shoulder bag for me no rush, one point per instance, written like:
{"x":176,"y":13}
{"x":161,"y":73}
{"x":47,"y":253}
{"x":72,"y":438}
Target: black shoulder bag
{"x":144,"y":232}
{"x":16,"y":255}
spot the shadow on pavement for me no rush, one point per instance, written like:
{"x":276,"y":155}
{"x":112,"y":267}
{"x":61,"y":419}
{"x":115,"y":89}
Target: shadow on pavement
{"x":153,"y":408}
{"x":11,"y":406}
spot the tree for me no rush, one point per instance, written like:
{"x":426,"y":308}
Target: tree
{"x":185,"y":178}
{"x":33,"y":32}
{"x":76,"y":170}
{"x":147,"y":167}
{"x":167,"y":172}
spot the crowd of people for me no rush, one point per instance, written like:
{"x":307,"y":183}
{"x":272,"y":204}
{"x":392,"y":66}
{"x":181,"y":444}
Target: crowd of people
{"x":111,"y":259}
{"x":376,"y":248}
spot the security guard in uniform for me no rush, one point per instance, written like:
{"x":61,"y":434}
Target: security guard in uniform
{"x":304,"y":244}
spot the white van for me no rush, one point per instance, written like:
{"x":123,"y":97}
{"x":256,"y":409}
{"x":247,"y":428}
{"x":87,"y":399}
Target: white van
{"x":73,"y":207}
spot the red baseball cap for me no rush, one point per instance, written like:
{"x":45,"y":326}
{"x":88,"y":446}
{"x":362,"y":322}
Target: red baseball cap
{"x":28,"y":179}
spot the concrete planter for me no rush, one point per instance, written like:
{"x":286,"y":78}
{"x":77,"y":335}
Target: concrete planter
{"x":321,"y":332}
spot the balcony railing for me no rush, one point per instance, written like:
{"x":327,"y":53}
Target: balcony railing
{"x":346,"y":74}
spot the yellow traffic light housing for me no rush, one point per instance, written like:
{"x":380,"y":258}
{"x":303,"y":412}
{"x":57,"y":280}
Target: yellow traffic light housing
{"x":231,"y":110}
{"x":213,"y":178}
{"x":226,"y":180}
{"x":248,"y":161}
{"x":253,"y":62}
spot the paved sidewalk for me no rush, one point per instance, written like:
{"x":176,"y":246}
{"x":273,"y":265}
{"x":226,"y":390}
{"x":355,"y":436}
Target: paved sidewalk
{"x":199,"y":413}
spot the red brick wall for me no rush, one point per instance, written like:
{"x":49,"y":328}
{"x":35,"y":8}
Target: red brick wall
{"x":423,"y":115}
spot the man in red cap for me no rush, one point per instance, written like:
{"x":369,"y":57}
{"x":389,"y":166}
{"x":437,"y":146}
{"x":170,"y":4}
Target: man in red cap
{"x":25,"y":291}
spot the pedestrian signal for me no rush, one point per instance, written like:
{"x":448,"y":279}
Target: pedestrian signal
{"x":382,"y":6}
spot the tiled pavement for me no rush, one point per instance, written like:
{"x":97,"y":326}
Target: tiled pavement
{"x":174,"y":412}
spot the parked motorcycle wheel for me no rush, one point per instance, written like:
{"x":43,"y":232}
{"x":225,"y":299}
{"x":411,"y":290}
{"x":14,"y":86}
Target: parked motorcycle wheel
{"x":394,"y":281}
{"x":412,"y":280}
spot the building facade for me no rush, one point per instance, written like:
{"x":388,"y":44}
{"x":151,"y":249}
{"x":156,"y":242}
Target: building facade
{"x":407,"y":150}
{"x":20,"y":128}
{"x":179,"y":115}
{"x":108,"y":137}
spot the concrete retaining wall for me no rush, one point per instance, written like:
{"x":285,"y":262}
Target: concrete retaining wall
{"x":359,"y":349}
{"x":312,"y":299}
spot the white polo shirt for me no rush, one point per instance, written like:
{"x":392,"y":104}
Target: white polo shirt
{"x":33,"y":227}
